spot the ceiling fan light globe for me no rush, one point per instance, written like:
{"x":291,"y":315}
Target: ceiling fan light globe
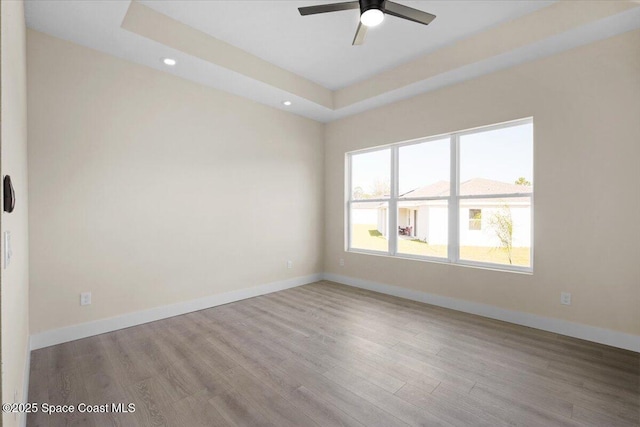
{"x":372,"y":17}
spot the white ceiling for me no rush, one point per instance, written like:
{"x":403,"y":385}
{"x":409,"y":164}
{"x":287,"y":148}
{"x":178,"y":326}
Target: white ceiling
{"x":318,"y":47}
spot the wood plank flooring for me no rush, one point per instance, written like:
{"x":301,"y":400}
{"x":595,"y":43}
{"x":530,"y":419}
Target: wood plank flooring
{"x":330,"y":355}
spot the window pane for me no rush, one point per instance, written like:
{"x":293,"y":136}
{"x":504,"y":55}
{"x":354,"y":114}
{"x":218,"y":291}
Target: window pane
{"x":424,"y":169}
{"x":497,"y":162}
{"x":371,"y":175}
{"x":497,"y":231}
{"x":423,"y":228}
{"x":475,"y":219}
{"x":370,"y":226}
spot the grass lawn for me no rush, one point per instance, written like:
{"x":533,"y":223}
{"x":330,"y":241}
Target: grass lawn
{"x":365,"y":236}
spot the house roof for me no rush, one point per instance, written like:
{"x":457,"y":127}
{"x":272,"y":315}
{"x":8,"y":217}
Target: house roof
{"x":472,"y":187}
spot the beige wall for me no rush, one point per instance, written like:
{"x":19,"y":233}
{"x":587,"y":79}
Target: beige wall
{"x":15,"y":279}
{"x":149,"y":190}
{"x":586,"y":109}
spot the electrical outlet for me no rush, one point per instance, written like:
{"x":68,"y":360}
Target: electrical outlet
{"x":85,"y":298}
{"x":341,"y":262}
{"x":565,"y":298}
{"x":289,"y":264}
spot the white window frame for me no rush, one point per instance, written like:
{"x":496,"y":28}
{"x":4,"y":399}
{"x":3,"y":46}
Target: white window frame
{"x":453,"y":200}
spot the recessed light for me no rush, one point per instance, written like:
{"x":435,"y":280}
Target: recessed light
{"x":287,"y":103}
{"x":169,"y":61}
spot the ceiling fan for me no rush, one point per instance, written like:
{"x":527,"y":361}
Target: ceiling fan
{"x":371,"y":13}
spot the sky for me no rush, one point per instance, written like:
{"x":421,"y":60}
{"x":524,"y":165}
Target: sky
{"x":501,"y":155}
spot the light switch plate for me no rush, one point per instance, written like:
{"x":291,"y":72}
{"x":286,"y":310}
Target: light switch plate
{"x":6,"y":248}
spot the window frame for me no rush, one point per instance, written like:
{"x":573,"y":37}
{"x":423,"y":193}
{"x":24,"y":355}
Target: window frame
{"x":453,"y":200}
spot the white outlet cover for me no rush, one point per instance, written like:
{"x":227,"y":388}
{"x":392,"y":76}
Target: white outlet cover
{"x":289,"y":264}
{"x":341,"y":262}
{"x":565,"y":298}
{"x":85,"y":298}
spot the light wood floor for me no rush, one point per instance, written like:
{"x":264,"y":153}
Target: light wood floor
{"x":330,"y":355}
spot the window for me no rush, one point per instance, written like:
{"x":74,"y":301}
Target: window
{"x":475,"y":219}
{"x":463,"y":198}
{"x":370,"y":190}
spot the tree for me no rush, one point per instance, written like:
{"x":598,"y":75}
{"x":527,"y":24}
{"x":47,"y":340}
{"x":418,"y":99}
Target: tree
{"x":523,"y":181}
{"x":502,"y":224}
{"x":358,"y":193}
{"x":380,"y":188}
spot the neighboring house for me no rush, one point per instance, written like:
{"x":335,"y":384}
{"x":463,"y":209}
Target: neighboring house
{"x":428,"y":219}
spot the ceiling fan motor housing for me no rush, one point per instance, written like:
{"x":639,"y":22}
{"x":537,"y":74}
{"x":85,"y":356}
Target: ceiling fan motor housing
{"x":371,"y":4}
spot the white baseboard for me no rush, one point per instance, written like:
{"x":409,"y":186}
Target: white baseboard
{"x":562,"y":327}
{"x":75,"y":332}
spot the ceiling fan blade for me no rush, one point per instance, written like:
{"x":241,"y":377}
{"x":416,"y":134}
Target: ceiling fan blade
{"x":324,"y":8}
{"x":409,"y":13}
{"x":361,"y":32}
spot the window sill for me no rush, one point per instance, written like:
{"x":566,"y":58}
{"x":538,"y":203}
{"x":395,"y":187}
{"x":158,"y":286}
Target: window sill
{"x":460,"y":263}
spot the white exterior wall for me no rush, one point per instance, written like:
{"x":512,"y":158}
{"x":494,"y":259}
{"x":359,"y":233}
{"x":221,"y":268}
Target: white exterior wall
{"x":383,"y":223}
{"x":521,"y":226}
{"x":432,"y":224}
{"x":486,"y":236}
{"x":437,"y":224}
{"x":423,"y":227}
